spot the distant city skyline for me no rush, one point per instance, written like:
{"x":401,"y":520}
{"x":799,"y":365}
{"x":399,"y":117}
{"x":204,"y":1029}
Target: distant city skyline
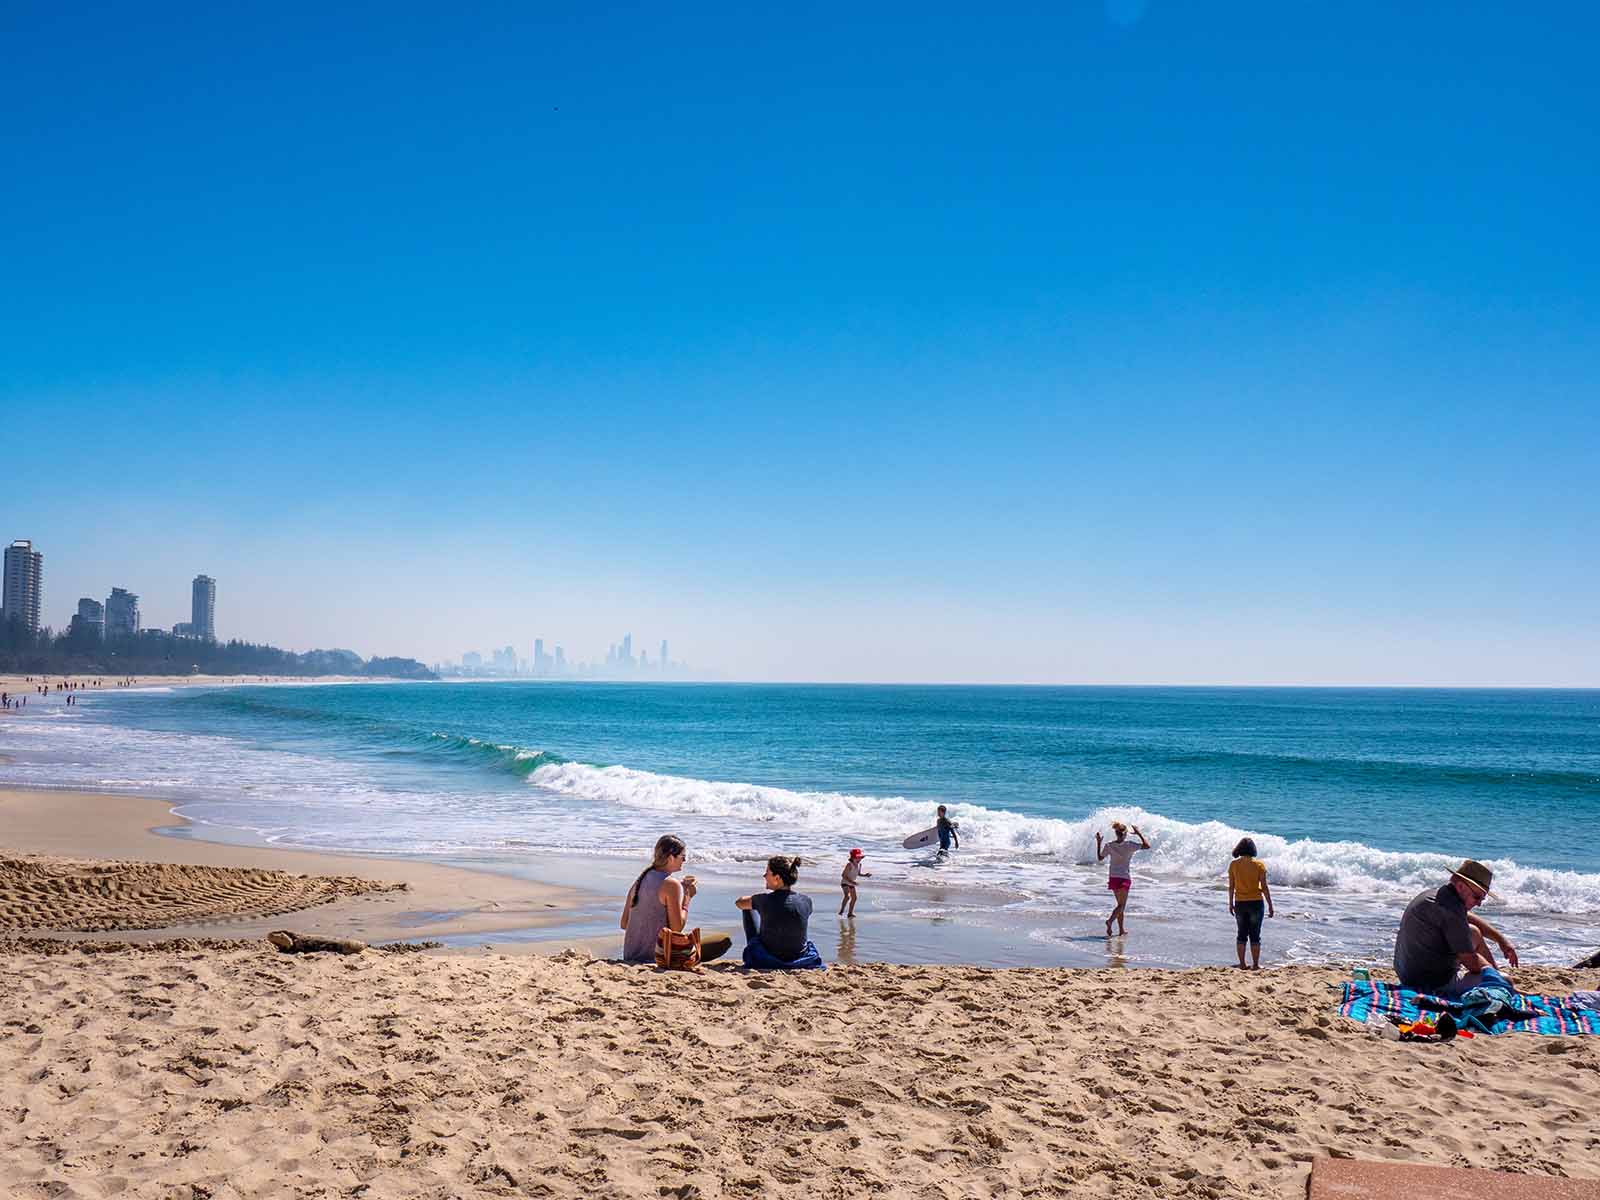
{"x":619,"y":663}
{"x":1141,"y":343}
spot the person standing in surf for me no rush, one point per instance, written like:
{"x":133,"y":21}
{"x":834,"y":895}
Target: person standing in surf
{"x":947,"y":832}
{"x":1120,"y":851}
{"x":847,"y":881}
{"x":1249,"y":898}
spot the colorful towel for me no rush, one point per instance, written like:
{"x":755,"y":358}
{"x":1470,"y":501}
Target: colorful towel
{"x":1374,"y":1001}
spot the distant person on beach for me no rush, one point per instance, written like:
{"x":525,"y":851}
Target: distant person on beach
{"x":847,"y":880}
{"x":948,"y":832}
{"x":780,"y":943}
{"x":656,"y":901}
{"x":1441,"y":947}
{"x":1248,"y":894}
{"x":1120,"y":851}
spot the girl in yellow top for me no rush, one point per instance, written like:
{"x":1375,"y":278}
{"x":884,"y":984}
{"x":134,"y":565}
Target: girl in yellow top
{"x":1248,"y":894}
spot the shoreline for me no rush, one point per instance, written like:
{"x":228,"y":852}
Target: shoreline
{"x":541,"y":902}
{"x":439,"y":901}
{"x":472,"y":907}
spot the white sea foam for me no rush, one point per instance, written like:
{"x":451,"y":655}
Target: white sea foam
{"x":1179,"y":848}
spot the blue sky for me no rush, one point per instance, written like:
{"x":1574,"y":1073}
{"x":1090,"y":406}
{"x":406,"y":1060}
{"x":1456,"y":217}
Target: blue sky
{"x":1080,"y":342}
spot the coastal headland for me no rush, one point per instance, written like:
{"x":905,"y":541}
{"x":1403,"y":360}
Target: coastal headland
{"x":196,"y":1060}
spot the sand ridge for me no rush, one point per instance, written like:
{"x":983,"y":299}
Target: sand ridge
{"x":236,"y":1072}
{"x":51,"y":893}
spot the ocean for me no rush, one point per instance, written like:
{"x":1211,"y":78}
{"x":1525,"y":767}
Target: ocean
{"x":1357,"y":798}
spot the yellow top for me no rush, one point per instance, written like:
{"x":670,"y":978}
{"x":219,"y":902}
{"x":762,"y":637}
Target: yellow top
{"x":1247,"y":875}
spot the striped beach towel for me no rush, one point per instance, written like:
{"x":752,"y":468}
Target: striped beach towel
{"x":1376,"y":1002}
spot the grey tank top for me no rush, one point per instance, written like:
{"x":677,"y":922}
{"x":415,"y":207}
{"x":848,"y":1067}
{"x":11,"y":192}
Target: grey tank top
{"x":645,"y":920}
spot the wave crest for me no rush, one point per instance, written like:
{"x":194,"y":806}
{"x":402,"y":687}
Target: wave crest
{"x":1179,"y":848}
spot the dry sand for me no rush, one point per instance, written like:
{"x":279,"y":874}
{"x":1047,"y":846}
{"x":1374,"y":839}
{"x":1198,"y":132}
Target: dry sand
{"x":233,"y":1072}
{"x":46,"y":893}
{"x":214,"y":1068}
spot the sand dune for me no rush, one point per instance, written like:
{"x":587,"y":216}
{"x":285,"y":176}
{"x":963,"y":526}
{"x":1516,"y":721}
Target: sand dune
{"x":207,"y":1070}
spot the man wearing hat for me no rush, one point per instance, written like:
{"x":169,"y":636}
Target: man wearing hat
{"x":1441,"y":947}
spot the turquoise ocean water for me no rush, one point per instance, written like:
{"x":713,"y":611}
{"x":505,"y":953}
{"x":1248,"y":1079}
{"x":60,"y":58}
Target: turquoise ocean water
{"x":1357,"y":797}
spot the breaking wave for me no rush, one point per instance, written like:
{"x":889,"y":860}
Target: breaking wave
{"x":1179,"y":848}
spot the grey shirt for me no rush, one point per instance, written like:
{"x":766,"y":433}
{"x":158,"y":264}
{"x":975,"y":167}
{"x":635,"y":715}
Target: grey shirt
{"x":1433,"y":932}
{"x":646,"y":920}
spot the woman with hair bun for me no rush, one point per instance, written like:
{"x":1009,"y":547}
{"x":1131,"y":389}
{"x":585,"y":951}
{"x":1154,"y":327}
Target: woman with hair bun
{"x":656,"y":901}
{"x":780,"y":944}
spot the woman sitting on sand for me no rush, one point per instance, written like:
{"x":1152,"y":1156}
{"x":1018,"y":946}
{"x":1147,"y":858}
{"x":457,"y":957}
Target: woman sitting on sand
{"x":781,"y":943}
{"x":656,"y":901}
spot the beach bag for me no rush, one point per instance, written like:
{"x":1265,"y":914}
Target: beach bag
{"x":678,"y":951}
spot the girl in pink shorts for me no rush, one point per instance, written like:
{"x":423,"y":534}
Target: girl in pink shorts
{"x":1120,"y":851}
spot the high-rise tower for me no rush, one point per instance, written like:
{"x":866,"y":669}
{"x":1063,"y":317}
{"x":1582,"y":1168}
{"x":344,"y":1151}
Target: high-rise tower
{"x":122,"y":613}
{"x":203,"y":609}
{"x":24,"y":584}
{"x":91,"y":616}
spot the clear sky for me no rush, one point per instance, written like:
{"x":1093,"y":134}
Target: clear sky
{"x":1070,"y":342}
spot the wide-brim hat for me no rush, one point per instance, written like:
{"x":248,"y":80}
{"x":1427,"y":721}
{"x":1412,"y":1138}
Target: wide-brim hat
{"x":1478,"y":875}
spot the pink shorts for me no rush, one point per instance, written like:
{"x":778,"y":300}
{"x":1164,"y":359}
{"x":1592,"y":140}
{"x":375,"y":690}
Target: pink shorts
{"x":1119,"y":885}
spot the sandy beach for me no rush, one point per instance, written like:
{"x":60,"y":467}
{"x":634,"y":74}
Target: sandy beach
{"x":217,"y":890}
{"x":212,"y":1069}
{"x":196,"y":1060}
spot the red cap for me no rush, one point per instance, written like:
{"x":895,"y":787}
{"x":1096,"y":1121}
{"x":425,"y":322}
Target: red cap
{"x":857,"y":853}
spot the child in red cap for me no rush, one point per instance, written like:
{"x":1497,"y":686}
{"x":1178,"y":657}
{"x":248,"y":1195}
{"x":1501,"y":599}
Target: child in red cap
{"x":852,"y":872}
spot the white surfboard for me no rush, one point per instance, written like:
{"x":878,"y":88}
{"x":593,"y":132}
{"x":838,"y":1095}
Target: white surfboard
{"x":928,"y":837}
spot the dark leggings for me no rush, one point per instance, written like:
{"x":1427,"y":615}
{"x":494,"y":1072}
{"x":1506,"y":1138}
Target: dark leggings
{"x":714,"y":945}
{"x":1247,"y":916}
